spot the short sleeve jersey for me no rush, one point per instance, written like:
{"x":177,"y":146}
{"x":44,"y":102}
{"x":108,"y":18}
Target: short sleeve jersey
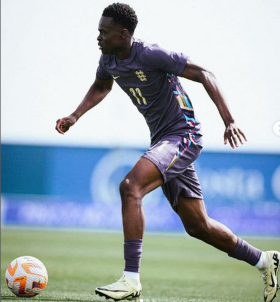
{"x":150,"y":78}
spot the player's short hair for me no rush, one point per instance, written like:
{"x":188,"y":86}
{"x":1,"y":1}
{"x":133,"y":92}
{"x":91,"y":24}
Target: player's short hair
{"x":122,"y":14}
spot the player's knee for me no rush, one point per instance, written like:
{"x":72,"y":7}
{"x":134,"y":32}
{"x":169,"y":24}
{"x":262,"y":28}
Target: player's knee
{"x":129,"y":192}
{"x":200,"y":230}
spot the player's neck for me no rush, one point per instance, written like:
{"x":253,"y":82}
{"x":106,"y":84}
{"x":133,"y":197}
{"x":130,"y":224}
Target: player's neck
{"x":125,"y":52}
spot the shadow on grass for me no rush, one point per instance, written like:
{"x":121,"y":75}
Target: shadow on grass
{"x":11,"y":298}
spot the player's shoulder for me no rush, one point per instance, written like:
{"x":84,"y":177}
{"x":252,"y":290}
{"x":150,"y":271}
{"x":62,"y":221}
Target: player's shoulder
{"x":147,"y":53}
{"x":144,"y":48}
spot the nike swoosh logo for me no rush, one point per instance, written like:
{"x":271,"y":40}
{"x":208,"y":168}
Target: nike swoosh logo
{"x":116,"y":77}
{"x":272,"y":282}
{"x":276,"y":263}
{"x":12,"y":270}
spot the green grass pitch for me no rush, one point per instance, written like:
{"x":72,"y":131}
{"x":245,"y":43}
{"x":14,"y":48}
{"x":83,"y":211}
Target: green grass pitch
{"x":174,"y":268}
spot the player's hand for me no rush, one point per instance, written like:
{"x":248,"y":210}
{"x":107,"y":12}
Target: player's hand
{"x":63,"y":124}
{"x":233,"y":134}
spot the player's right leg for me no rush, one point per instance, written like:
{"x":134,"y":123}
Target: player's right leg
{"x":197,"y":223}
{"x":269,"y":272}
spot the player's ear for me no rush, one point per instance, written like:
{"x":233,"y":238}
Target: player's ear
{"x":124,"y":33}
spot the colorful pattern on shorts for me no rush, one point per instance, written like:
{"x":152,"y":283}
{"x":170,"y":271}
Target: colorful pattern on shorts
{"x":174,"y":157}
{"x":181,"y":149}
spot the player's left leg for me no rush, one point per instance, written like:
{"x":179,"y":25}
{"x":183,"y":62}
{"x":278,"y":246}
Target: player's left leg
{"x":143,"y":178}
{"x":197,"y":224}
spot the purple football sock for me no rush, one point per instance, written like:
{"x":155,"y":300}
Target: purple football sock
{"x":132,"y":254}
{"x":246,"y":252}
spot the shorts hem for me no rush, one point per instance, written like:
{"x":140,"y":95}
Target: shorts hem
{"x":189,"y":194}
{"x":157,"y":164}
{"x":174,"y":203}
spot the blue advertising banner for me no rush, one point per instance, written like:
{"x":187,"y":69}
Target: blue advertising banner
{"x":79,"y":187}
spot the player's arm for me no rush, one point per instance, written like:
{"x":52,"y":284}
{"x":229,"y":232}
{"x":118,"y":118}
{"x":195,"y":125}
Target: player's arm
{"x":198,"y":74}
{"x":97,"y":92}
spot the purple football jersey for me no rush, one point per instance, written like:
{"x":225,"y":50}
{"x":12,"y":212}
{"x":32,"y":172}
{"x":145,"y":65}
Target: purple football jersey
{"x":149,"y":78}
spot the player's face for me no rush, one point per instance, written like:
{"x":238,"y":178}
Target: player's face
{"x":110,"y":38}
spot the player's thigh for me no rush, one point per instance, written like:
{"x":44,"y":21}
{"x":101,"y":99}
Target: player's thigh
{"x":191,"y":211}
{"x":144,"y":177}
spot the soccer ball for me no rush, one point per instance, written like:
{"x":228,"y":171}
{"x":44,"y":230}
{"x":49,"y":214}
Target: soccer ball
{"x":26,"y":276}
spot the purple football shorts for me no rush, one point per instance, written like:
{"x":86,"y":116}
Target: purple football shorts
{"x":174,"y":157}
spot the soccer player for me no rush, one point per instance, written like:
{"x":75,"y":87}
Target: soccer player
{"x":149,"y":76}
